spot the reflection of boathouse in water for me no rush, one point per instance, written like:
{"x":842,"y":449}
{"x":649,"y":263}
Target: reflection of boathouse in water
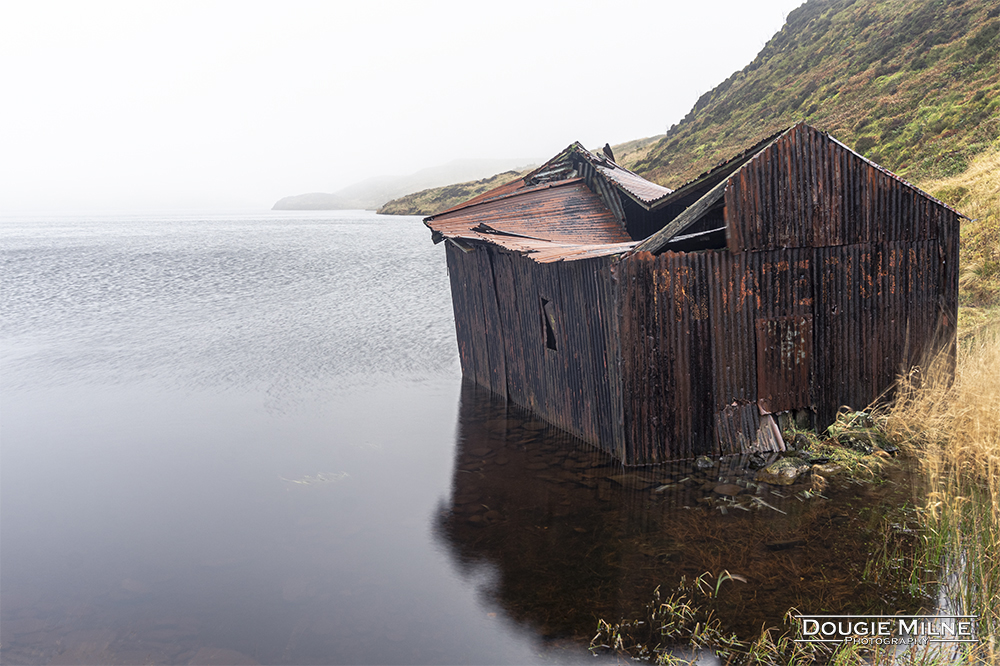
{"x":566,"y":535}
{"x":657,"y":324}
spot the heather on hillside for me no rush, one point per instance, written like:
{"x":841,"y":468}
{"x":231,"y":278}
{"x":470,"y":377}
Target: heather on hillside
{"x":912,"y":84}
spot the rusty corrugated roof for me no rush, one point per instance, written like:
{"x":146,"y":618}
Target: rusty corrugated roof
{"x":496,"y":192}
{"x":552,"y":214}
{"x":629,"y":182}
{"x":547,"y":252}
{"x":551,"y":222}
{"x":638,"y":187}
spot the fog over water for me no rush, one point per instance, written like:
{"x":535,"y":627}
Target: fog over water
{"x":215,"y":104}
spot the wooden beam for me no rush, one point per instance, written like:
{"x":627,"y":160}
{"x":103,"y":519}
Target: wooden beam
{"x":688,"y":216}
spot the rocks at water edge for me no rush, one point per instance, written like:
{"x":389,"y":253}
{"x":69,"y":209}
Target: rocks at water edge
{"x":828,"y":470}
{"x":783,"y":472}
{"x":703,"y":463}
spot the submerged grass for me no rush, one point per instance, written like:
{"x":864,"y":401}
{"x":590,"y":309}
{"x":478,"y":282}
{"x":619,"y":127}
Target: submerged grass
{"x":685,"y":618}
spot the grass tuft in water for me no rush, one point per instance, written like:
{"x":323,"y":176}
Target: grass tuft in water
{"x":674,"y":629}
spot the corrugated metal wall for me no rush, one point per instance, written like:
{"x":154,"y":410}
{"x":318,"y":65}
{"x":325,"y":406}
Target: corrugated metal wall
{"x":819,"y":327}
{"x":689,"y":346}
{"x":808,"y":190}
{"x":667,"y":359}
{"x":498,"y":299}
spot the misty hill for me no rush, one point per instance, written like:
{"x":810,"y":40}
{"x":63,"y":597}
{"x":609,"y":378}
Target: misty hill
{"x":372,"y":193}
{"x":433,"y":200}
{"x":912,"y":84}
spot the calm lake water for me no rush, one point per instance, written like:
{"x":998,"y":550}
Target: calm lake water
{"x":245,"y":439}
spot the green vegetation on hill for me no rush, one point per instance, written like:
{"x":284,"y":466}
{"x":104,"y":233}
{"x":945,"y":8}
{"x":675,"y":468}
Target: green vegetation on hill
{"x":437,"y":199}
{"x":912,"y":84}
{"x":976,"y":193}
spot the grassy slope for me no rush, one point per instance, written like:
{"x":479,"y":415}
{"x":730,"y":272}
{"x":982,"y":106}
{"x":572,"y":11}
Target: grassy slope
{"x":976,"y":192}
{"x":912,"y":84}
{"x":436,"y":199}
{"x":951,"y":422}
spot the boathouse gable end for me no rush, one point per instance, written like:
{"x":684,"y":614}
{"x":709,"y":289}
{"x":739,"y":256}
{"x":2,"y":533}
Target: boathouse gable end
{"x":793,"y":279}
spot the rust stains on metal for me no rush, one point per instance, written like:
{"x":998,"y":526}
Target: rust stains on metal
{"x":784,"y":356}
{"x":565,"y":212}
{"x":806,"y":189}
{"x":798,"y":277}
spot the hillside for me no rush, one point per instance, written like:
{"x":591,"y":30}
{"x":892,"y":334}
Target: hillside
{"x":912,"y":84}
{"x":976,"y":192}
{"x":433,"y":200}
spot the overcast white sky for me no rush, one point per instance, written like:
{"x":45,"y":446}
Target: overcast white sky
{"x":214,"y":105}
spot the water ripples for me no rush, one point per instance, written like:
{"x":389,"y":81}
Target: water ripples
{"x":287,"y":301}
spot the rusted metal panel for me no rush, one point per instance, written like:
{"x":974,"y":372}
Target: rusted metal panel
{"x":469,"y":326}
{"x":667,"y":356}
{"x":638,"y":187}
{"x":659,"y":358}
{"x":689,"y":351}
{"x":877,"y":314}
{"x":502,"y":342}
{"x":736,"y":426}
{"x":566,"y":211}
{"x":806,"y":189}
{"x":494,"y":329}
{"x":607,"y":193}
{"x":569,"y":209}
{"x":784,"y":357}
{"x":740,"y":429}
{"x":510,"y":313}
{"x":544,"y":253}
{"x":733,"y":303}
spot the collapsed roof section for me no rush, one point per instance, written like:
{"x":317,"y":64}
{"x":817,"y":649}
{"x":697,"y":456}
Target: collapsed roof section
{"x":572,"y":207}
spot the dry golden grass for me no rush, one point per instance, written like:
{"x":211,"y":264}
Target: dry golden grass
{"x":953,"y":428}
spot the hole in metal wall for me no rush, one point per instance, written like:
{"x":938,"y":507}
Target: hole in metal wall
{"x":549,"y":324}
